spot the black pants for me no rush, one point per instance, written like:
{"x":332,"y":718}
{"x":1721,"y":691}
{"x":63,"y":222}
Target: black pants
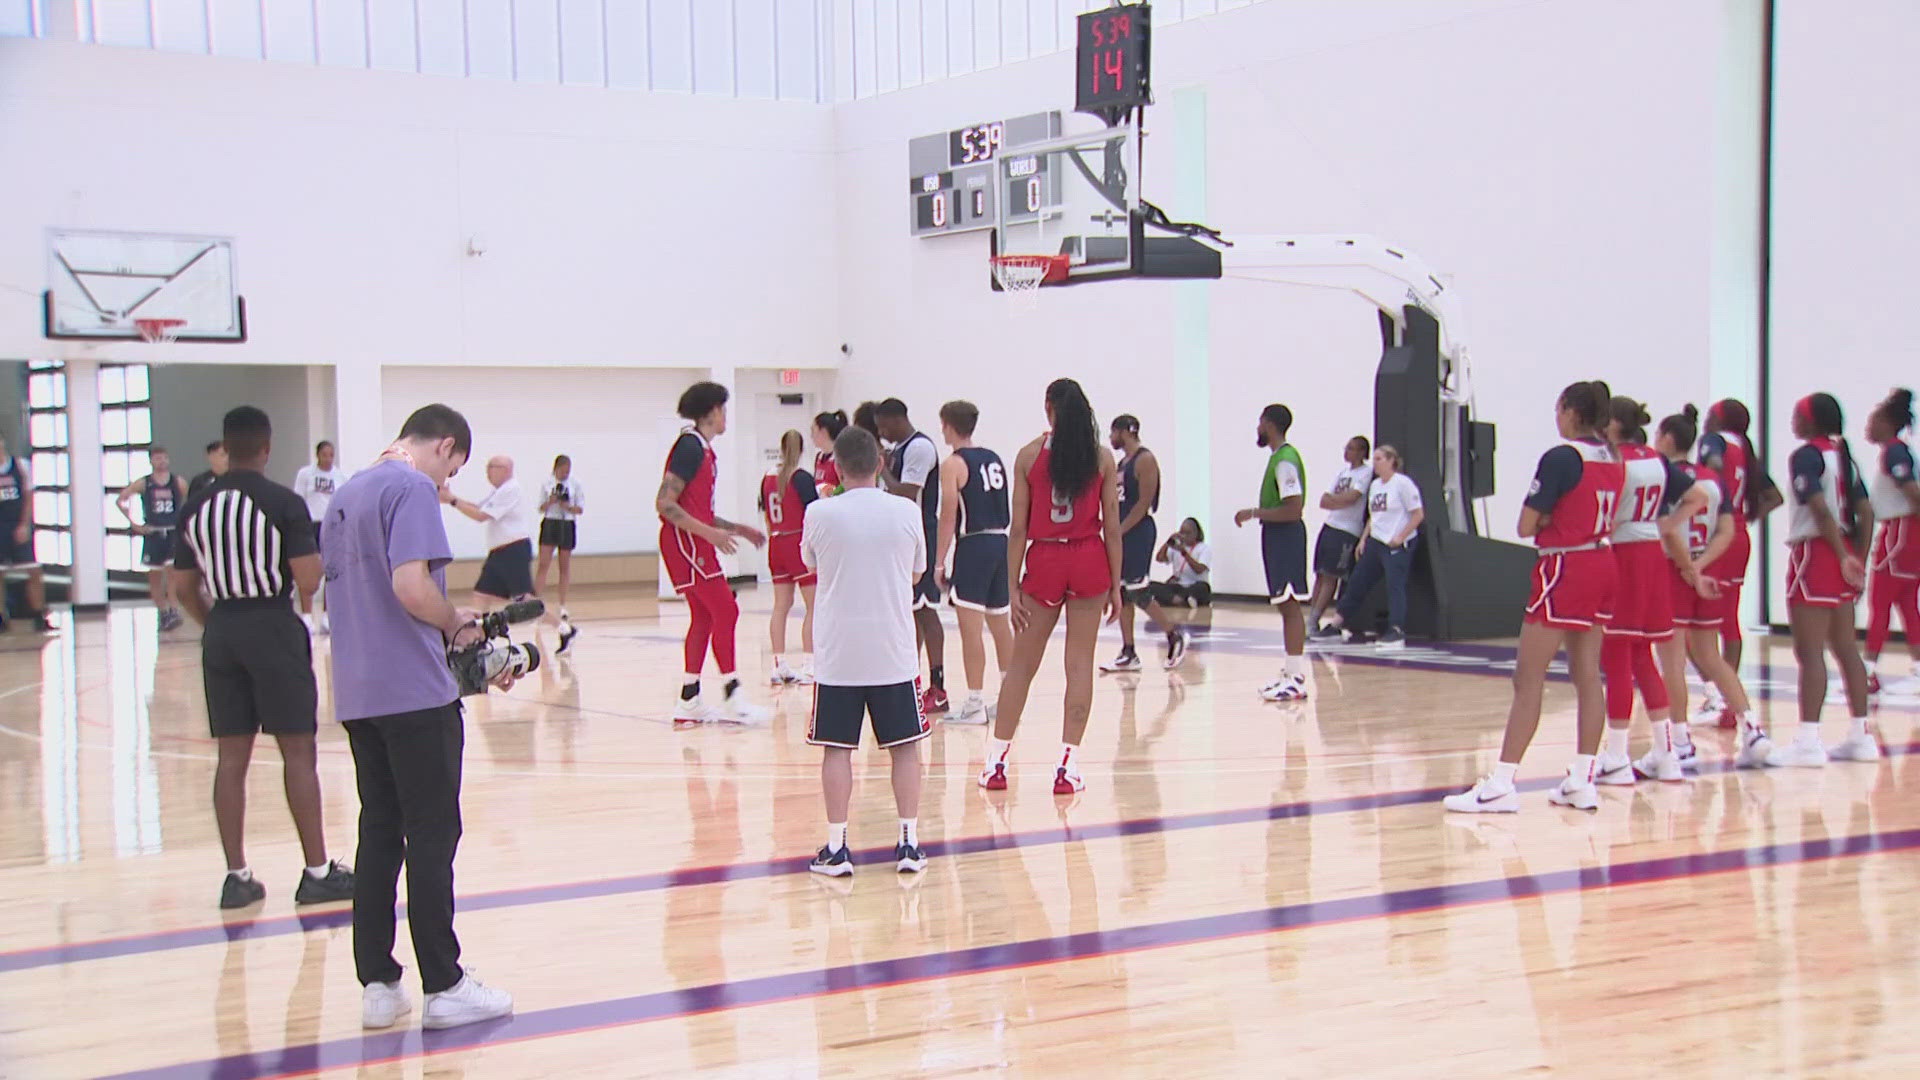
{"x":408,"y":769}
{"x":1377,"y":560}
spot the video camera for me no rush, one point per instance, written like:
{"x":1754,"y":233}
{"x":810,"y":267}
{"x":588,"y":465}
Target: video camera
{"x":480,"y":663}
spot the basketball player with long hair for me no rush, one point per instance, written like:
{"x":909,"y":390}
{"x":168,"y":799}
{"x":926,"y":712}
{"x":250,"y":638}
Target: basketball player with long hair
{"x":692,"y":539}
{"x":1569,"y":514}
{"x":1065,"y":535}
{"x":1830,"y":517}
{"x":1698,"y":614}
{"x":1649,"y":525}
{"x":1895,"y":566}
{"x":827,"y":427}
{"x":785,"y":495}
{"x":1726,"y":449}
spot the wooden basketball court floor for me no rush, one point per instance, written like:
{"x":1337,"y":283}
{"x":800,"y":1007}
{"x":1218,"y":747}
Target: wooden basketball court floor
{"x":1244,"y":890}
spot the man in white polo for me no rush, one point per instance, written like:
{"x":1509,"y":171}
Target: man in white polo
{"x":869,"y":548}
{"x":508,"y":572}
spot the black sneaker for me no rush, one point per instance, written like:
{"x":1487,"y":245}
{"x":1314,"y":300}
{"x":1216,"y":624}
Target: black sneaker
{"x":1392,"y":639}
{"x":1328,"y":632}
{"x":1176,"y":649}
{"x":335,"y":887}
{"x":909,"y":859}
{"x":832,"y":863}
{"x":237,"y":893}
{"x":567,"y":634}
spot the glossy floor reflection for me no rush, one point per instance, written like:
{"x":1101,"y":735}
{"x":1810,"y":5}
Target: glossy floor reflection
{"x":1243,"y":890}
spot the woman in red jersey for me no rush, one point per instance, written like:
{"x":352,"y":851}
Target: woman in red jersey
{"x":1699,"y":612}
{"x":1066,"y":504}
{"x":1895,"y":494}
{"x":1657,"y":498}
{"x":785,"y":495}
{"x":826,"y":475}
{"x":1829,"y":519}
{"x":1569,"y":514}
{"x":1726,"y":449}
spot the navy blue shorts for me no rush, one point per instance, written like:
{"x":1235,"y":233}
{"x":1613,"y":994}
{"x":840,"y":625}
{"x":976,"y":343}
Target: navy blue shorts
{"x":1283,"y":548}
{"x":979,"y":578}
{"x":840,"y":712}
{"x":1136,"y":555}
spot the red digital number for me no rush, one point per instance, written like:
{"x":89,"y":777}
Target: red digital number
{"x":1113,"y":64}
{"x":1121,"y":27}
{"x":1099,"y":33}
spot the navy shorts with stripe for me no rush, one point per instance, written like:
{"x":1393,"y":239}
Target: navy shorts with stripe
{"x":1136,"y":554}
{"x":1283,"y":548}
{"x":839,"y":712}
{"x":979,"y":578}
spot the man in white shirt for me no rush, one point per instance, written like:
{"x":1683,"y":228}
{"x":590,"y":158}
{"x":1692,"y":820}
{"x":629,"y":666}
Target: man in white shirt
{"x":1394,"y":516}
{"x":869,"y":549}
{"x":315,"y":484}
{"x":508,"y":572}
{"x":1346,"y":505}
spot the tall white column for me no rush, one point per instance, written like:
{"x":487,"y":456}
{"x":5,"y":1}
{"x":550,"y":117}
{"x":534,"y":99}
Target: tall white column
{"x":89,"y":508}
{"x":360,"y":432}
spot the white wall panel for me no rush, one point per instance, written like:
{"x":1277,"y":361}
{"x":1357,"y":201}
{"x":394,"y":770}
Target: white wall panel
{"x":670,"y":45}
{"x":536,"y":40}
{"x":629,"y":44}
{"x":712,"y":46}
{"x":583,"y":52}
{"x":289,"y":31}
{"x":489,"y":30}
{"x":180,"y":25}
{"x":391,"y":32}
{"x":342,"y":27}
{"x":443,"y":37}
{"x":755,"y":30}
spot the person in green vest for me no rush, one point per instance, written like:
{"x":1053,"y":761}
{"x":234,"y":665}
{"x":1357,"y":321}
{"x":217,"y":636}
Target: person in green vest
{"x":1283,"y":546}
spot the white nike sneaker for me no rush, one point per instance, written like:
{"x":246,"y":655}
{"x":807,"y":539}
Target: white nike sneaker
{"x":971,"y":711}
{"x":738,"y":710}
{"x":694,"y":711}
{"x":1688,"y":755}
{"x":1756,"y":750}
{"x":1710,"y":709}
{"x":1798,"y":754}
{"x":382,"y":1005}
{"x":781,"y":676}
{"x":1660,"y":765}
{"x":1906,"y":685}
{"x":1614,"y":772}
{"x":1285,"y":689}
{"x":1484,"y":798}
{"x":803,"y":676}
{"x":469,"y":1002}
{"x":1861,"y":747}
{"x":1578,"y":795}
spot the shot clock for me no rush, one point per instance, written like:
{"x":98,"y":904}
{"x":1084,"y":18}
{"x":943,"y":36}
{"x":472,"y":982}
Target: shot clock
{"x":1113,"y":61}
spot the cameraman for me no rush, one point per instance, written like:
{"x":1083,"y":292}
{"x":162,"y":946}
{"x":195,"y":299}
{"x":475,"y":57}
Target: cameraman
{"x":386,"y":560}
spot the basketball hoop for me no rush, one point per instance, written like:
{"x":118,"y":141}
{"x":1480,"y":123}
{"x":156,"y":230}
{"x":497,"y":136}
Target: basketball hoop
{"x":1020,"y":276}
{"x":156,"y":331}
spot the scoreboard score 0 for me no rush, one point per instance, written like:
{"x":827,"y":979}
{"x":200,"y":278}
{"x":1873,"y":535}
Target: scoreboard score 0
{"x":952,"y":187}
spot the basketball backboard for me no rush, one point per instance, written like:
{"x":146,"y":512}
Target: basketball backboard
{"x":101,"y":283}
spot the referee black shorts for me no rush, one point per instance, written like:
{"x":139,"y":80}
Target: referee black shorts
{"x":838,"y":712}
{"x":257,"y":663}
{"x":508,"y":571}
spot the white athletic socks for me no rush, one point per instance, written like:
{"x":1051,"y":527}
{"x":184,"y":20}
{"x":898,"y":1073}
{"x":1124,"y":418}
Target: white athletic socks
{"x":1296,"y":666}
{"x":319,"y":873}
{"x":1857,"y":727}
{"x":1503,"y":773}
{"x":836,"y":835}
{"x":1616,"y":744}
{"x":1582,"y":769}
{"x":244,"y":874}
{"x":997,"y":751}
{"x":909,"y":831}
{"x":1663,"y":735}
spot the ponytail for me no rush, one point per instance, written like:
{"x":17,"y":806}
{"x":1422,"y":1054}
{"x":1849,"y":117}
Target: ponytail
{"x":791,"y":444}
{"x":1632,"y":416}
{"x":1825,"y":418}
{"x":1589,"y":402}
{"x":1074,"y":457}
{"x":833,"y":423}
{"x":1683,"y":428}
{"x":1897,"y":409}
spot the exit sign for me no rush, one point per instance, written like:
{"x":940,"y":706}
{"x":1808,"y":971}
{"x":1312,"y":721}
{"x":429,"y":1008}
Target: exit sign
{"x":789,"y":376}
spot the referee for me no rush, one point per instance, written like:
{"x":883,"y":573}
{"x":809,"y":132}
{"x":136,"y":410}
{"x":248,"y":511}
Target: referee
{"x":255,"y":542}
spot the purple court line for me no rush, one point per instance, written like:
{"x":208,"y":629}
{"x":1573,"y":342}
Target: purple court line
{"x":193,"y":937}
{"x":744,"y":993}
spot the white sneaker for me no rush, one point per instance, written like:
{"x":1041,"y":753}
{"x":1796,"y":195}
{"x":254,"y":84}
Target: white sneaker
{"x":971,"y":711}
{"x":1798,"y":754}
{"x":803,"y":677}
{"x":1660,"y":765}
{"x":1574,"y":793}
{"x":1688,"y":755}
{"x":382,"y":1005}
{"x":738,"y":710}
{"x":469,"y":1002}
{"x":1859,"y":747}
{"x":1756,"y":750}
{"x":1484,"y":798}
{"x":1614,"y":772}
{"x":781,"y":676}
{"x":1905,"y":685}
{"x":1710,"y":710}
{"x":1126,"y":661}
{"x":695,"y":711}
{"x":1285,"y":688}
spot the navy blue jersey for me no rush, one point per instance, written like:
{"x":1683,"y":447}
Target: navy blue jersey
{"x":1130,"y":485}
{"x":928,"y":480}
{"x":13,"y":493}
{"x":160,"y":503}
{"x":984,"y":503}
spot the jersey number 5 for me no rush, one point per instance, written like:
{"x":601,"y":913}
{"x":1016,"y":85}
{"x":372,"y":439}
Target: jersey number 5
{"x":1062,"y":511}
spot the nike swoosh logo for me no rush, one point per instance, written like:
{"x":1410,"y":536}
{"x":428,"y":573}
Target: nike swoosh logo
{"x":1616,"y":769}
{"x":1488,"y":798}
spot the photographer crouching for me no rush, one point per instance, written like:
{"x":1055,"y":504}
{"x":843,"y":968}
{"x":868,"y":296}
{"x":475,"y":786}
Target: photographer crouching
{"x":393,"y":627}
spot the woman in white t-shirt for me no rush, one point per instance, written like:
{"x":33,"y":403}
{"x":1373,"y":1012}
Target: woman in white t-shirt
{"x":1394,"y":516}
{"x":1190,"y":557}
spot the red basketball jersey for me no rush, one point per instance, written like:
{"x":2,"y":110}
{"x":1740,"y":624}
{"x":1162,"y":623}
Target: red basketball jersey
{"x":784,"y":510}
{"x":697,"y":497}
{"x":1701,"y":525}
{"x":1736,"y":469}
{"x":1053,"y":515}
{"x":1583,"y":506}
{"x":825,"y":472}
{"x":1636,"y":517}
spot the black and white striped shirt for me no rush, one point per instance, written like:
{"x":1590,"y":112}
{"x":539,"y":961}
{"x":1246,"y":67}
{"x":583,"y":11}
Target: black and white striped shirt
{"x":241,"y":532}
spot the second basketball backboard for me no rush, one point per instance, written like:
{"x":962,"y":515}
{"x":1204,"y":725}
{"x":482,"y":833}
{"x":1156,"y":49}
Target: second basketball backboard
{"x":102,"y":284}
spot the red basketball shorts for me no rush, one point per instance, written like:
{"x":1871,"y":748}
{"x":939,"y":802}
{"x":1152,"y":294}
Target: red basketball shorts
{"x":1057,"y":570}
{"x":687,"y":559}
{"x":1814,"y":578}
{"x":785,"y":563}
{"x":1642,"y":597}
{"x":1896,"y":547}
{"x":1573,"y":590}
{"x":1730,"y":570}
{"x":1691,"y":611}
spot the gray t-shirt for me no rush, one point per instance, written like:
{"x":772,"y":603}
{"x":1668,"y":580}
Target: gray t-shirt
{"x":385,"y":661}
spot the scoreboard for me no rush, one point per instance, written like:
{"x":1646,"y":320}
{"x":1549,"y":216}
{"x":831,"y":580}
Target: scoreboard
{"x":954,"y":184}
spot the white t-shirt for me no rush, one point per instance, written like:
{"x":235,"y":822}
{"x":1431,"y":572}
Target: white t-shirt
{"x":1183,"y":571}
{"x":918,"y":462}
{"x":317,"y":487}
{"x":558,"y":511}
{"x":509,"y":518}
{"x":868,"y":548}
{"x":1351,"y":519}
{"x":1391,"y":504}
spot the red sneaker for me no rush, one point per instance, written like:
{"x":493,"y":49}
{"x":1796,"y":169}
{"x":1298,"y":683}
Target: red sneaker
{"x":994,"y":778}
{"x":1728,"y":720}
{"x":1873,"y":682}
{"x":934,"y":700}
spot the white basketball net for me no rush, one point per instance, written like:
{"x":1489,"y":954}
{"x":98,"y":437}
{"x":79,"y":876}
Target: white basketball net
{"x":1020,"y":279}
{"x":154,"y":331}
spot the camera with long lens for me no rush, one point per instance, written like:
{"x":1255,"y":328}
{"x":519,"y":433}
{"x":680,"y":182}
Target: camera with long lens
{"x":478,"y":664}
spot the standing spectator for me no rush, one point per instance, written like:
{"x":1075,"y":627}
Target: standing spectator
{"x":251,"y":541}
{"x":1346,"y":505}
{"x":316,"y":483}
{"x":162,"y":496}
{"x":386,"y":555}
{"x":16,"y":533}
{"x":561,"y":504}
{"x":1283,"y":545}
{"x":216,"y":468}
{"x":508,"y":572}
{"x":1394,"y":516}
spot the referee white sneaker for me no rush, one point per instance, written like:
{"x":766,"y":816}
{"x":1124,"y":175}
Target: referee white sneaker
{"x":383,"y":1004}
{"x":469,"y":1001}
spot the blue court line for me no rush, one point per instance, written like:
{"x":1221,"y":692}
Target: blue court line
{"x":337,"y":916}
{"x":386,"y":1046}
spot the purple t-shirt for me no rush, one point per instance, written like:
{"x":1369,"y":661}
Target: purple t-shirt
{"x":385,"y":661}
